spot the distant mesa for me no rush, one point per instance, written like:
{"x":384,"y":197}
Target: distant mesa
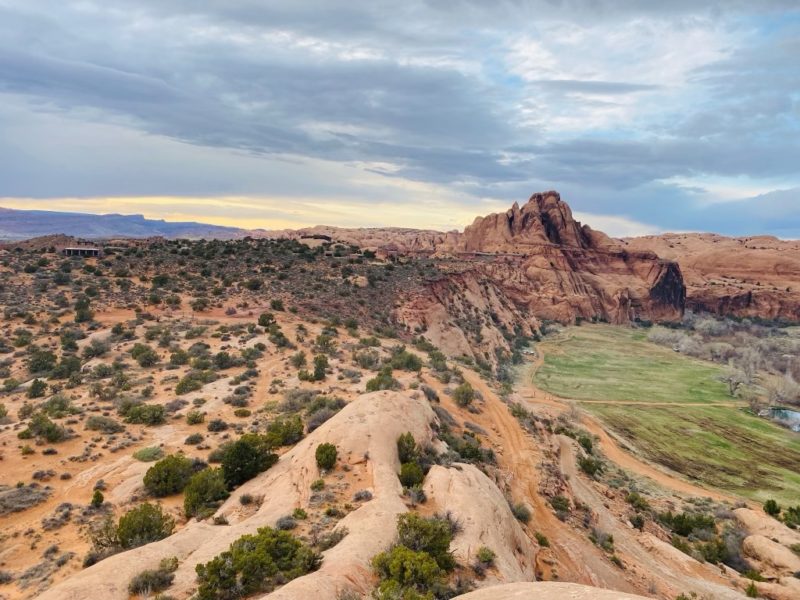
{"x":25,"y":224}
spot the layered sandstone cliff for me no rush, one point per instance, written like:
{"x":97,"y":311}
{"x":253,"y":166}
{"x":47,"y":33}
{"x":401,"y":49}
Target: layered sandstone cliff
{"x":537,"y":262}
{"x":745,"y":277}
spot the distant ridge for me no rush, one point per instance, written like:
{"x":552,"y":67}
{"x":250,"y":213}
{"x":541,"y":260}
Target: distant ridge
{"x":24,"y":224}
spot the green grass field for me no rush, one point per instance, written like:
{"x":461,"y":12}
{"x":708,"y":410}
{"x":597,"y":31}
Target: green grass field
{"x":721,"y":446}
{"x":597,"y":362}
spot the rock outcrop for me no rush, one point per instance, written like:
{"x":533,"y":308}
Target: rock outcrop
{"x":537,"y":262}
{"x":486,"y":521}
{"x":743,"y":277}
{"x":285,"y":487}
{"x":546,"y":590}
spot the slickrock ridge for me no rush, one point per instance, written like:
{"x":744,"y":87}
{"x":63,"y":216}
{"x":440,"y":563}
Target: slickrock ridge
{"x":285,"y":487}
{"x":546,"y":590}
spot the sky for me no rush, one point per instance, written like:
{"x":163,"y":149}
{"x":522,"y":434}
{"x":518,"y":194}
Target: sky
{"x":645,"y":116}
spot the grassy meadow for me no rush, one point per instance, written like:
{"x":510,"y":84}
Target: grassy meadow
{"x":722,"y":446}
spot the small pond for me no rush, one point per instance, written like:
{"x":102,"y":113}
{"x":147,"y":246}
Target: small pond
{"x":786,"y":416}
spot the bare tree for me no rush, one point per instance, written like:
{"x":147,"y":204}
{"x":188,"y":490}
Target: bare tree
{"x":785,"y":391}
{"x":749,"y":362}
{"x":734,"y":378}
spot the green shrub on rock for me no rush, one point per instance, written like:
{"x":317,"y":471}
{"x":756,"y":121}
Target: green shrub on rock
{"x":255,"y":564}
{"x":168,"y":476}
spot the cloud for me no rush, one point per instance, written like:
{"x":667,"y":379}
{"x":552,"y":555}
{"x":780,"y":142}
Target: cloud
{"x":637,"y":111}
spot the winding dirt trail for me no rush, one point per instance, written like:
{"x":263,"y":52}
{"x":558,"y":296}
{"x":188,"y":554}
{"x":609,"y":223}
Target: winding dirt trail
{"x":520,"y":457}
{"x":652,"y":566}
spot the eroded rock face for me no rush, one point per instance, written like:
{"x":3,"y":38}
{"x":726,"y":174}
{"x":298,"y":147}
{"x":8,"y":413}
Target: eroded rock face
{"x":537,"y":262}
{"x":744,"y":277}
{"x":544,"y":220}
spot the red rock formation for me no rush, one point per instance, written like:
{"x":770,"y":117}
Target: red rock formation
{"x":536,"y":262}
{"x":543,"y":220}
{"x":745,"y":277}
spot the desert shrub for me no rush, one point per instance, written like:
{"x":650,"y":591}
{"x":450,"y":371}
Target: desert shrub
{"x":602,"y":539}
{"x":521,"y":512}
{"x":285,"y":431}
{"x":464,"y":394}
{"x":144,"y":524}
{"x":320,"y":367}
{"x":432,"y":535}
{"x":367,"y":359}
{"x":187,"y":384}
{"x":104,"y":424}
{"x":179,"y":357}
{"x":144,"y":355}
{"x":541,"y":539}
{"x":321,"y":402}
{"x":41,"y":427}
{"x":148,"y":454}
{"x":245,"y":458}
{"x":406,"y":448}
{"x":486,"y":556}
{"x":325,"y":344}
{"x":96,"y":348}
{"x":467,"y":448}
{"x":326,"y":456}
{"x":318,"y":418}
{"x":684,"y":524}
{"x":298,"y":360}
{"x":193,"y":439}
{"x":561,"y":505}
{"x":285,"y":523}
{"x":37,"y":389}
{"x":153,"y":581}
{"x":195,"y":417}
{"x":10,"y":384}
{"x":58,"y":406}
{"x":97,"y":499}
{"x":589,"y":465}
{"x":266,"y":319}
{"x":255,"y":564}
{"x":405,"y":573}
{"x":405,"y":360}
{"x":67,"y":367}
{"x":41,"y":361}
{"x":362,"y":496}
{"x":203,"y":492}
{"x":791,"y":516}
{"x":216,"y":425}
{"x":146,"y":414}
{"x":637,"y":501}
{"x":83,"y":311}
{"x":383,"y":381}
{"x":418,"y":562}
{"x":772,"y":508}
{"x":411,"y":474}
{"x":168,"y":476}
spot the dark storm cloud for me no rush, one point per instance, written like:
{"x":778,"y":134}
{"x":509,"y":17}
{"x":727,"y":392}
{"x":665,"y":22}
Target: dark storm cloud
{"x":426,"y":88}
